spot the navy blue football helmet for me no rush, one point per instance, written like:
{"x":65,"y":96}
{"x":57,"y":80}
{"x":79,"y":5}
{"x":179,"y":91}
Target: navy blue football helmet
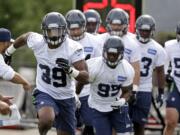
{"x":145,"y":28}
{"x":118,"y":17}
{"x":54,"y":28}
{"x":113,"y":51}
{"x":93,"y":20}
{"x":76,"y":20}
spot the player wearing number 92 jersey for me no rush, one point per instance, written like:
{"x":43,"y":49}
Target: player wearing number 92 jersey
{"x":111,"y":78}
{"x":106,"y":82}
{"x":49,"y":75}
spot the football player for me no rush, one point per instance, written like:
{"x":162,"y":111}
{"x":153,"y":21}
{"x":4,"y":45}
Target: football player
{"x":59,"y":60}
{"x":76,"y":25}
{"x":172,"y":104}
{"x":152,"y":59}
{"x":111,"y":78}
{"x":93,"y":20}
{"x":117,"y":21}
{"x":7,"y":73}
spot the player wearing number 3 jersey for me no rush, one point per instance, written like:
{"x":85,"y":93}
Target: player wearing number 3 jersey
{"x":152,"y":58}
{"x":59,"y":60}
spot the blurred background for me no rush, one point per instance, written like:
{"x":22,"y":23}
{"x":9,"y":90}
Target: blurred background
{"x":21,"y":16}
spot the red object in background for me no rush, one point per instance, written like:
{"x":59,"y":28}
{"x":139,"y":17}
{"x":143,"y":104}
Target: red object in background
{"x":131,"y":9}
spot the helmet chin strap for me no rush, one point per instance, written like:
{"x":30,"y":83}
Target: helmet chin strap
{"x":113,"y":64}
{"x":144,"y":40}
{"x":76,"y":38}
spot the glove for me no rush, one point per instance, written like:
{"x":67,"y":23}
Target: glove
{"x":78,"y":102}
{"x":64,"y":64}
{"x":169,"y":79}
{"x":7,"y":59}
{"x":118,"y":103}
{"x":160,"y":98}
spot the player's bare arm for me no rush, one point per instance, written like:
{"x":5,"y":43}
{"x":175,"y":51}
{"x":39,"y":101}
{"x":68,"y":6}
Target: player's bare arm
{"x":136,"y":66}
{"x":126,"y":92}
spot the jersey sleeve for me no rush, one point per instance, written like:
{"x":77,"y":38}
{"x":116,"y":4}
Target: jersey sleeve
{"x":91,"y":69}
{"x":161,"y":57}
{"x":34,"y":41}
{"x":6,"y":72}
{"x":167,"y":50}
{"x":78,"y":53}
{"x":130,"y":73}
{"x":136,"y":54}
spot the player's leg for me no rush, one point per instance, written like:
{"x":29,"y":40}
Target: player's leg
{"x":139,"y":111}
{"x":101,"y":123}
{"x":171,"y":121}
{"x":121,"y":121}
{"x":44,"y":104}
{"x":65,"y":122}
{"x":85,"y":113}
{"x":172,"y":112}
{"x":45,"y":121}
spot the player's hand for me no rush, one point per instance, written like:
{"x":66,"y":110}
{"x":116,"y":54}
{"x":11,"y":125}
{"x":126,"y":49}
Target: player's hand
{"x":118,"y":103}
{"x":159,"y":100}
{"x":78,"y":102}
{"x":4,"y":108}
{"x":7,"y":99}
{"x":27,"y":87}
{"x":7,"y":59}
{"x":64,"y":64}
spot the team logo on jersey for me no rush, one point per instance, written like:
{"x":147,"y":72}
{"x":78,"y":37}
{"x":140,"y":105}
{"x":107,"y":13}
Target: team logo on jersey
{"x":128,"y":51}
{"x":88,"y":49}
{"x":121,"y":78}
{"x":152,"y":51}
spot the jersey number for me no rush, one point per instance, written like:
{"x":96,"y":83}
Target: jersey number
{"x":146,"y":62}
{"x":106,"y":90}
{"x":177,"y":65}
{"x":57,"y":74}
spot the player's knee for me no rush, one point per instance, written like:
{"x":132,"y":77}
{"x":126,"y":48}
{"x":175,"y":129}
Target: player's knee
{"x":46,"y":121}
{"x":171,"y":123}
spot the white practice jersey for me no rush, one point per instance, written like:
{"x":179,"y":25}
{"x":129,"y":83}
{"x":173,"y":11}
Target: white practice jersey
{"x":131,"y":52}
{"x":106,"y":82}
{"x":50,"y":78}
{"x":172,"y":48}
{"x":152,"y":55}
{"x":91,"y":50}
{"x":6,"y":72}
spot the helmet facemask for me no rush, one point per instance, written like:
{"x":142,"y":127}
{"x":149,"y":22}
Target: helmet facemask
{"x":145,"y":33}
{"x":76,"y":32}
{"x":112,"y":57}
{"x":115,"y":28}
{"x":54,"y":35}
{"x":92,"y":25}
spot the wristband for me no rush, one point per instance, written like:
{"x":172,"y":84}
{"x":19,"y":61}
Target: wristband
{"x":73,"y":72}
{"x":10,"y":50}
{"x":135,"y":87}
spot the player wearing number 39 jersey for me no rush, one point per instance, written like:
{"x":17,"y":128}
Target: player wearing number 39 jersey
{"x":59,"y":60}
{"x":152,"y":58}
